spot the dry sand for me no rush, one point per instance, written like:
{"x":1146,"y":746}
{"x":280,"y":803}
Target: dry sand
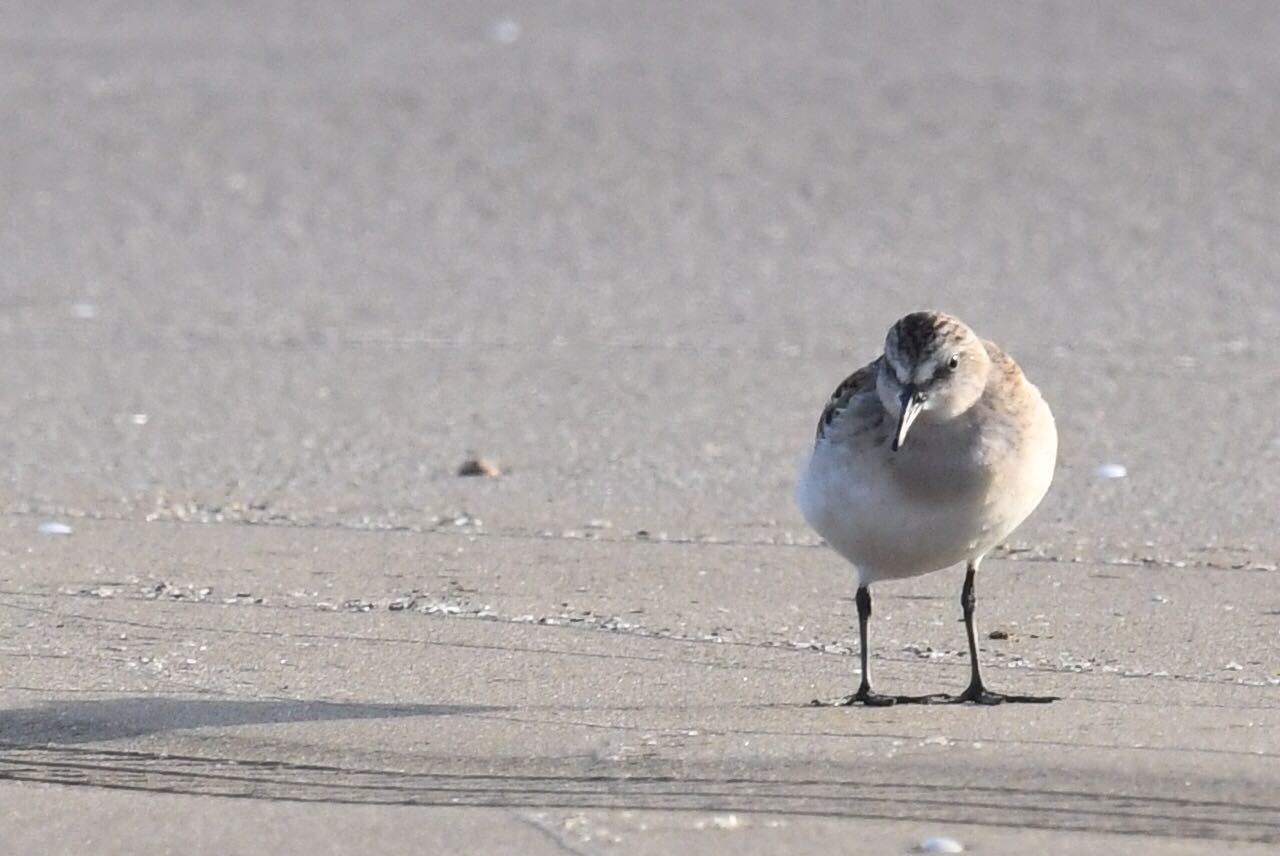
{"x":272,"y":276}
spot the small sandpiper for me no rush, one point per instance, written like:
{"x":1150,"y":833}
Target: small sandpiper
{"x":930,"y":455}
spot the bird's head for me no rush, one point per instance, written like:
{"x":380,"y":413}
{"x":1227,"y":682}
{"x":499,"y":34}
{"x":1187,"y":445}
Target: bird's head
{"x":934,"y":367}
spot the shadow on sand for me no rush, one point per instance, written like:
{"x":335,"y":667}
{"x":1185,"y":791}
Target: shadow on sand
{"x":86,"y":721}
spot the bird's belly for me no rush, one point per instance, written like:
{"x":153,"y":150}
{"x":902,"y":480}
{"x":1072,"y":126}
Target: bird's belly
{"x":886,"y":540}
{"x":866,"y":513}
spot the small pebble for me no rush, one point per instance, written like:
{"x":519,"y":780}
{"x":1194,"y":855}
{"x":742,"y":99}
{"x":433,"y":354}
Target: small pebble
{"x":941,"y":844}
{"x":479,"y":467}
{"x":998,"y":634}
{"x":53,"y":527}
{"x":1111,"y":471}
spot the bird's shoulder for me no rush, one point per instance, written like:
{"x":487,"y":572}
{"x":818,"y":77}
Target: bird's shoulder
{"x":1000,"y":358}
{"x":1007,"y":386}
{"x":855,"y":396}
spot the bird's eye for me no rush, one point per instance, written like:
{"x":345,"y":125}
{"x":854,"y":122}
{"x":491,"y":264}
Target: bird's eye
{"x":954,"y":362}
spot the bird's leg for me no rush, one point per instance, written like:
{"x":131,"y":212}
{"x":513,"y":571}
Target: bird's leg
{"x":864,"y":693}
{"x":977,"y":691}
{"x":967,"y":601}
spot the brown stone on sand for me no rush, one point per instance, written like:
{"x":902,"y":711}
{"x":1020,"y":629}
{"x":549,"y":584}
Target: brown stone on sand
{"x":479,"y":467}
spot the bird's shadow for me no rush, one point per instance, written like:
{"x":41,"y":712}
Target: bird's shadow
{"x":86,"y":721}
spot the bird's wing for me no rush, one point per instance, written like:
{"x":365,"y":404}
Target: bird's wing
{"x":858,"y":388}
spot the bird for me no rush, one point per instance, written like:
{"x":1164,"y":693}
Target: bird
{"x":927,"y":457}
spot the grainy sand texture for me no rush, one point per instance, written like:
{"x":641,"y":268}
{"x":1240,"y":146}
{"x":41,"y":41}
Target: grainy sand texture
{"x":273,"y":274}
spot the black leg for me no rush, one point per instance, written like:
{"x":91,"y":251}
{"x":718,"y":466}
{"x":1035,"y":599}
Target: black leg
{"x":864,"y":693}
{"x":977,"y":691}
{"x":967,"y":601}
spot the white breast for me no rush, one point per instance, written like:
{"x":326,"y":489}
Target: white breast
{"x":950,"y":495}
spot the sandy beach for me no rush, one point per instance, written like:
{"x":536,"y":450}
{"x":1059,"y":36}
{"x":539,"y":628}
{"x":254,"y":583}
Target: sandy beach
{"x":272,"y":275}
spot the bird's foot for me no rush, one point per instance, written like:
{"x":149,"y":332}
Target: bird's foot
{"x":978,"y":694}
{"x":864,"y":695}
{"x":869,"y":699}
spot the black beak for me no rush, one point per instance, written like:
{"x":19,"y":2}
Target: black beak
{"x":912,"y":402}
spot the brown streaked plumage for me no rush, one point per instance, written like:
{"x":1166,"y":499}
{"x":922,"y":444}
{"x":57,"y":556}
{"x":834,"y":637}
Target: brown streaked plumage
{"x":860,"y":380}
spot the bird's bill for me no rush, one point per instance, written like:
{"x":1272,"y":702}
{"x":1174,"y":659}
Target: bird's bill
{"x":911,"y":407}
